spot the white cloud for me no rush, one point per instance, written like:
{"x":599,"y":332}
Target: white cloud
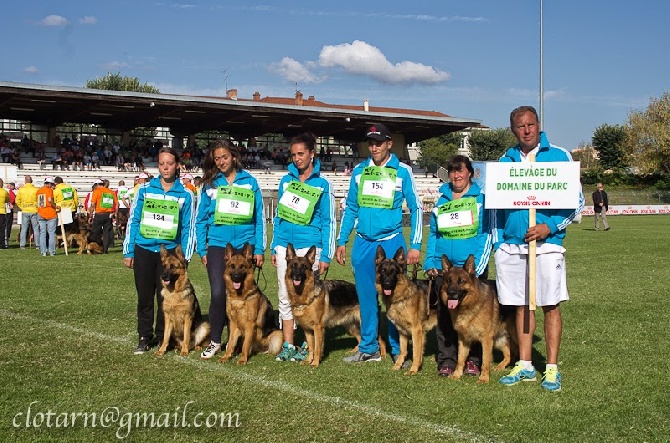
{"x":53,"y":20}
{"x":88,"y":20}
{"x":361,"y":58}
{"x":294,"y":71}
{"x":115,"y":65}
{"x":31,"y":70}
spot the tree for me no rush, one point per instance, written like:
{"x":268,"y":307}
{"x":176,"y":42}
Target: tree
{"x":436,"y":151}
{"x":585,"y":155}
{"x":647,"y":145}
{"x":490,"y":145}
{"x":608,"y":141}
{"x":114,"y":82}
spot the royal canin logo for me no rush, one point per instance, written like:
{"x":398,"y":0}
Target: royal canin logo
{"x":532,"y":197}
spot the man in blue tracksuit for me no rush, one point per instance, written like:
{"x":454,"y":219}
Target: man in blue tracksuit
{"x":379,"y":186}
{"x":511,"y":235}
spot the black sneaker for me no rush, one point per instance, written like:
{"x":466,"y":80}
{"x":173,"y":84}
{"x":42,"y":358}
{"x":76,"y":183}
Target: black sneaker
{"x":360,"y":357}
{"x":142,"y":346}
{"x":405,"y":365}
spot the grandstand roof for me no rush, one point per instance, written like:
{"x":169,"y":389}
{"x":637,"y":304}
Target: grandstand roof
{"x":241,"y":118}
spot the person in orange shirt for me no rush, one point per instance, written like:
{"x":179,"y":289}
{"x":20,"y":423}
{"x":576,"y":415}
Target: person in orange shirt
{"x":47,"y":216}
{"x":187,"y":181}
{"x":104,"y":205}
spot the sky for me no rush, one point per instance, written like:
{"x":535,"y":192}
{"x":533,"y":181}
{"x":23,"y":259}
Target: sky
{"x":468,"y":59}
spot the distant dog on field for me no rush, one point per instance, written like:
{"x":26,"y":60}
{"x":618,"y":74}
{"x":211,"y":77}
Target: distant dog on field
{"x":477,"y":317}
{"x":85,"y":239}
{"x":407,"y":306}
{"x":183,"y":319}
{"x":318,"y":305}
{"x":249,"y":311}
{"x":121,"y":223}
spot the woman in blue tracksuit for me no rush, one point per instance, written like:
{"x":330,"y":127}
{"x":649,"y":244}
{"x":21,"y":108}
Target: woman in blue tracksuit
{"x":162,"y":213}
{"x":305,"y":217}
{"x":459,"y":226}
{"x":378,"y":188}
{"x":230,"y":210}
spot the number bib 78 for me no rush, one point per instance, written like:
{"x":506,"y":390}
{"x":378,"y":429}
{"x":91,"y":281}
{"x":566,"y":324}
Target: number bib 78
{"x":458,"y":218}
{"x":297,"y":203}
{"x":377,"y":187}
{"x":160,"y":219}
{"x":234,"y":206}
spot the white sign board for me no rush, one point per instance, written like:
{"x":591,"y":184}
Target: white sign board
{"x":551,"y":185}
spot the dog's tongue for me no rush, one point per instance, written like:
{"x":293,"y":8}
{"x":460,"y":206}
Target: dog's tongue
{"x":452,"y":304}
{"x":297,"y":282}
{"x":237,"y":285}
{"x":166,"y":282}
{"x":387,"y":292}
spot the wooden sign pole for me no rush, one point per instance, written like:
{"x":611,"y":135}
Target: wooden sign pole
{"x":532,"y":251}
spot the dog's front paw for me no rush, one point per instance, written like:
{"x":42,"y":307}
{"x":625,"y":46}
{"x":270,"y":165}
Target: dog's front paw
{"x":159,"y":353}
{"x":183,"y":353}
{"x":242,"y":361}
{"x":456,"y":375}
{"x":411,"y":371}
{"x":224,"y":359}
{"x":483,"y":380}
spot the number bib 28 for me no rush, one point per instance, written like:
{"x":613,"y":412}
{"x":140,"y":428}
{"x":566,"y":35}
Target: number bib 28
{"x":160,"y":219}
{"x":297,"y":203}
{"x":458,"y":218}
{"x":377,"y":187}
{"x":234,"y":206}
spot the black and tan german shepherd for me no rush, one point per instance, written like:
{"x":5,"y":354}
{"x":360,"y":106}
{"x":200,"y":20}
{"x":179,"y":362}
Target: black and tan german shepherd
{"x":320,"y":304}
{"x":183,"y":319}
{"x":477,"y":317}
{"x":407,"y":306}
{"x":84,"y":237}
{"x":250,"y":313}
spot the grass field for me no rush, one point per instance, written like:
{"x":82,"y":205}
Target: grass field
{"x":68,"y":331}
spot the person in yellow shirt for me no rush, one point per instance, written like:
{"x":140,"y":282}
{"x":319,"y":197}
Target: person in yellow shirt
{"x":47,"y":216}
{"x":4,"y":205}
{"x":66,"y":197}
{"x":26,"y":200}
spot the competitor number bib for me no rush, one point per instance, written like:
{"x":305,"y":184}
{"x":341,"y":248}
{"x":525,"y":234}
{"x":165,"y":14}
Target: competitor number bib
{"x":458,"y":218}
{"x":297,"y":203}
{"x":377,"y":187}
{"x":160,"y":219}
{"x":234,"y":206}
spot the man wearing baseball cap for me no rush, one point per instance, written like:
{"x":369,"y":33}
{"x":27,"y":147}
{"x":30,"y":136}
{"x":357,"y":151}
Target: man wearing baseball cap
{"x":378,"y":188}
{"x":47,"y":216}
{"x":187,"y":181}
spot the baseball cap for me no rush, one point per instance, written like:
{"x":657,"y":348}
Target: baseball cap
{"x":50,"y":180}
{"x":143,"y":175}
{"x":188,"y":176}
{"x":97,"y":181}
{"x":378,"y":132}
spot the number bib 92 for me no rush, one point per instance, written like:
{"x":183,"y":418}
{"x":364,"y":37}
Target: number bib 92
{"x":297,"y":203}
{"x":234,"y":206}
{"x":458,"y":218}
{"x":160,"y":219}
{"x":377,"y":187}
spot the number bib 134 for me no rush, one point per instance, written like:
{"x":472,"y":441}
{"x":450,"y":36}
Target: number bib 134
{"x":160,"y":219}
{"x":377,"y":187}
{"x":297,"y":203}
{"x":234,"y":206}
{"x":458,"y":218}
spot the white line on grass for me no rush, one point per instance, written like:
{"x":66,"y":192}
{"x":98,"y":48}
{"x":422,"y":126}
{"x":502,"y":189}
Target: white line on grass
{"x":339,"y":402}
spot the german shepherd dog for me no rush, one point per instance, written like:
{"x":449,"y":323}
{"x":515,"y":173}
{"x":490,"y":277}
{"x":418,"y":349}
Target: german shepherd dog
{"x":85,"y":239}
{"x":183,"y":319}
{"x":318,"y":304}
{"x":249,"y":311}
{"x":120,"y":225}
{"x":407,"y":306}
{"x":477,"y":317}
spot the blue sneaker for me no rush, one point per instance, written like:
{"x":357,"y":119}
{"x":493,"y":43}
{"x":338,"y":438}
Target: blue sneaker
{"x":519,"y":373}
{"x":551,"y":381}
{"x":301,"y":353}
{"x":287,"y":352}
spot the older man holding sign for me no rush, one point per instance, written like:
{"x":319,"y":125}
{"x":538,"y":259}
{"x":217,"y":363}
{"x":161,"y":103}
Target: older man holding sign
{"x":535,"y":203}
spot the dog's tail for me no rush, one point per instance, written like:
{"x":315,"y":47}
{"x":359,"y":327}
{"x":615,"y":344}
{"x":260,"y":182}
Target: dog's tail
{"x":201,"y":333}
{"x":273,"y":342}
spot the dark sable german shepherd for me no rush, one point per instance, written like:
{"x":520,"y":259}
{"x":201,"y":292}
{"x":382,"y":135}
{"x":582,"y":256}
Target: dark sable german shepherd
{"x":183,"y":320}
{"x":249,"y":311}
{"x":318,"y":304}
{"x":407,"y":306}
{"x":85,"y":239}
{"x":477,"y":317}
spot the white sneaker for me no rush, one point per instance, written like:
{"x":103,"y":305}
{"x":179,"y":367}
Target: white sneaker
{"x":211,"y":350}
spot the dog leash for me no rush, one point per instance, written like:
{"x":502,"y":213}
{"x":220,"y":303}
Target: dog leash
{"x":415,"y":272}
{"x":257,"y":277}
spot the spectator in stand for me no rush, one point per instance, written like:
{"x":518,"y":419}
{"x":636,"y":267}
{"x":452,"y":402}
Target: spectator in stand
{"x":26,"y":200}
{"x":16,"y":158}
{"x":11,"y":189}
{"x":187,"y":181}
{"x":47,"y":217}
{"x":4,"y":210}
{"x":103,"y":207}
{"x":6,"y":153}
{"x":95,"y":161}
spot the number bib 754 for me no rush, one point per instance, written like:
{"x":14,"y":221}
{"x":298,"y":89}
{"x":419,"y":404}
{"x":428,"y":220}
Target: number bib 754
{"x":160,"y":219}
{"x":234,"y":206}
{"x":377,"y":187}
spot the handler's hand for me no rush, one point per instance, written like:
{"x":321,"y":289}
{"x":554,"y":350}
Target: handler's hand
{"x":203,"y":259}
{"x":537,"y":232}
{"x":259,"y":259}
{"x":323,"y":266}
{"x":273,"y":257}
{"x":432,"y":272}
{"x":341,"y":254}
{"x":129,"y":262}
{"x":413,"y":256}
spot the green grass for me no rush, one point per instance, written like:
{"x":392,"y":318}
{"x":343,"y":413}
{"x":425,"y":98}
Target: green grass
{"x":69,"y":329}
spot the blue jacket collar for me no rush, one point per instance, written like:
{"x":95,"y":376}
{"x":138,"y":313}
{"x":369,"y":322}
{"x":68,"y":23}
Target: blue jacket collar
{"x":293,"y":170}
{"x":393,"y":162}
{"x":446,"y":191}
{"x":176,"y":186}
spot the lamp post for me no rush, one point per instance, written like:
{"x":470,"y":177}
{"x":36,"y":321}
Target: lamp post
{"x":541,"y":71}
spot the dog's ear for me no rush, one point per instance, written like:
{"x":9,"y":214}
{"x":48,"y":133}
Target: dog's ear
{"x":248,"y":252}
{"x":229,"y":252}
{"x":290,"y":252}
{"x":400,"y":256}
{"x":446,"y":264}
{"x":381,"y":255}
{"x":311,"y":254}
{"x":179,"y":253}
{"x":163,"y":251}
{"x":470,"y":265}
